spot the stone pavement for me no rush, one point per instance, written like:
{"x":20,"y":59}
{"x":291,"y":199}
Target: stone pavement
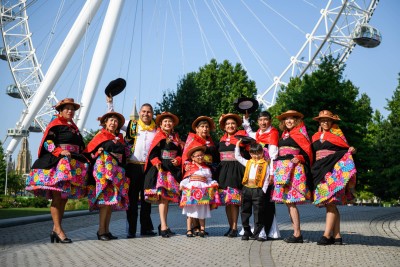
{"x":371,"y":236}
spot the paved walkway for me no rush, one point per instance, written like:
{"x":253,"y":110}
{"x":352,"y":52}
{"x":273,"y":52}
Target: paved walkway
{"x":371,"y":236}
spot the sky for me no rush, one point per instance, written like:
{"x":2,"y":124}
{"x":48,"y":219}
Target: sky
{"x":158,"y":42}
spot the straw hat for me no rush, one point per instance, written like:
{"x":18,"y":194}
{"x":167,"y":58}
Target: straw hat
{"x":194,"y":149}
{"x":203,"y":118}
{"x":165,"y":114}
{"x":326,"y":114}
{"x":66,"y":101}
{"x":290,"y":113}
{"x":224,"y":117}
{"x":121,"y":119}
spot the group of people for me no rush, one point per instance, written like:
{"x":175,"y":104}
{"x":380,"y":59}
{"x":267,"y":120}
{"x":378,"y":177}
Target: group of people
{"x":151,"y":164}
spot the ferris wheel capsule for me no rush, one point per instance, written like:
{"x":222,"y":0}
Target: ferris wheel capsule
{"x":367,"y":36}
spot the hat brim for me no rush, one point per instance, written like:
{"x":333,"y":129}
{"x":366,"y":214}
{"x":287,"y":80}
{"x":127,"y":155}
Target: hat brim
{"x":59,"y":108}
{"x":326,"y":117}
{"x":115,"y":87}
{"x":203,"y":118}
{"x":290,"y":114}
{"x":245,"y":139}
{"x":194,"y":149}
{"x":121,"y":119}
{"x":236,"y":117}
{"x":160,"y":117}
{"x":246,"y":104}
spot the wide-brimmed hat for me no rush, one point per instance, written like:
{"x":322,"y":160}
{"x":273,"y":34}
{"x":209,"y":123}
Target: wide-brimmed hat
{"x":194,"y":149}
{"x":326,"y":114}
{"x":246,"y":104}
{"x":165,"y":114}
{"x":66,"y":101}
{"x":203,"y":118}
{"x":224,"y":117}
{"x":115,"y":87}
{"x":290,"y":113}
{"x":121,"y":119}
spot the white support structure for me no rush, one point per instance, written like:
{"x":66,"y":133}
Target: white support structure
{"x":57,"y":66}
{"x":99,"y":59}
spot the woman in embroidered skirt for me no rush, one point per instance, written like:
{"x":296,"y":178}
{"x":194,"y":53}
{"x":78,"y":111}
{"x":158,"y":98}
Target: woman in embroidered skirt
{"x":108,"y":190}
{"x":230,"y":171}
{"x":59,"y":172}
{"x":163,"y":169}
{"x":199,"y":191}
{"x":292,"y":178}
{"x":334,"y":173}
{"x":202,"y":126}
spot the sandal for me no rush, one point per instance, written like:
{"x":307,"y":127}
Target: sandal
{"x":202,"y":233}
{"x":191,"y":233}
{"x":196,"y":231}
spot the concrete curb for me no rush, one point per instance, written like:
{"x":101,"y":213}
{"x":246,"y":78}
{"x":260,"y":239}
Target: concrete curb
{"x":40,"y":218}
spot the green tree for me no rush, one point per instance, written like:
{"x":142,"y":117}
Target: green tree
{"x":325,"y":88}
{"x":2,"y":169}
{"x":211,"y":91}
{"x":15,"y":183}
{"x":384,"y":144}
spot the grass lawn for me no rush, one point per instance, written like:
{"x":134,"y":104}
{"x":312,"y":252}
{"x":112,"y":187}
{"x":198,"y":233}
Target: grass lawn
{"x":22,"y":212}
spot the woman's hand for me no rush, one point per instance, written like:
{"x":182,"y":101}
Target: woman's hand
{"x":352,"y":150}
{"x":174,"y":162}
{"x":295,"y":160}
{"x":158,"y":166}
{"x":66,"y":153}
{"x":238,"y":143}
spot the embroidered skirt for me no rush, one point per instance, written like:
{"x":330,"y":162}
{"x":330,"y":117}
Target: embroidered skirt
{"x":338,"y":186}
{"x":166,"y":187}
{"x":290,"y":182}
{"x":199,"y":193}
{"x":111,"y":187}
{"x":68,"y":177}
{"x":230,"y":196}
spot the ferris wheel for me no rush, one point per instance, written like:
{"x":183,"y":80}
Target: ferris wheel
{"x":341,"y":25}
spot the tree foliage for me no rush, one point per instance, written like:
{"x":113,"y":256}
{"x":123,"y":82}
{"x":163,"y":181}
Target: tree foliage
{"x":383,"y":139}
{"x":2,"y":169}
{"x":325,"y":88}
{"x":211,"y":92}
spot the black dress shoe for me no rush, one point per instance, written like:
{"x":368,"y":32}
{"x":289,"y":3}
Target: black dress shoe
{"x":324,"y":241}
{"x":227,"y":233}
{"x":103,"y":237}
{"x":233,"y":233}
{"x":131,"y":236}
{"x":148,"y":233}
{"x":111,"y":236}
{"x":55,"y":236}
{"x":170,"y":232}
{"x":261,"y":239}
{"x":338,"y":241}
{"x":293,"y":239}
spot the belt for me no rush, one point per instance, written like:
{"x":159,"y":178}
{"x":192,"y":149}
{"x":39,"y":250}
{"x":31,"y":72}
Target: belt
{"x":129,"y":161}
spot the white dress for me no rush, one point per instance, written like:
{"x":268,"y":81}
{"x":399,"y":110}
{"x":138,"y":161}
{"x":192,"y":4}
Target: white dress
{"x":198,"y":211}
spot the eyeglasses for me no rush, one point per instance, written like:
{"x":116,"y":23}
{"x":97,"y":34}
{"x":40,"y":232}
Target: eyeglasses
{"x":197,"y":156}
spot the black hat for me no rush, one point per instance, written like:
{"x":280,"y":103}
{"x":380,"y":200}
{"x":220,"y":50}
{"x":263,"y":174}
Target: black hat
{"x":115,"y":87}
{"x":245,"y":139}
{"x":243,"y":104}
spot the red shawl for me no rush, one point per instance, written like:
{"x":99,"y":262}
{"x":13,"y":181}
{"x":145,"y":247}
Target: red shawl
{"x":300,"y":136}
{"x":102,"y":136}
{"x":192,"y":168}
{"x":335,"y":136}
{"x":233,"y":139}
{"x":195,"y":140}
{"x":160,"y":135}
{"x":270,"y":138}
{"x":57,"y":121}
